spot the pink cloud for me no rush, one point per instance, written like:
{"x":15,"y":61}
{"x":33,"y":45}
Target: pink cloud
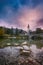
{"x":23,"y":17}
{"x":30,"y":16}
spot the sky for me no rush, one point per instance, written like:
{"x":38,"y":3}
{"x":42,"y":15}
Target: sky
{"x":20,"y":13}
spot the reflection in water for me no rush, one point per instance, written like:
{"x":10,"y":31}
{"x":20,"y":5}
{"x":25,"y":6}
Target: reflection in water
{"x":34,"y":50}
{"x":10,"y":53}
{"x":14,"y":51}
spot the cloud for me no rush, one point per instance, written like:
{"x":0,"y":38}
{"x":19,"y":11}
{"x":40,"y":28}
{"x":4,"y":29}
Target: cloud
{"x":40,"y":23}
{"x":20,"y":13}
{"x":30,"y":16}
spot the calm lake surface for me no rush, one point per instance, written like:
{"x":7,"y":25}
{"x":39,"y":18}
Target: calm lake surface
{"x":8,"y":45}
{"x":10,"y":48}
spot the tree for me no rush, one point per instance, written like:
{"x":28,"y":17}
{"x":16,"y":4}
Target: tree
{"x":8,"y":31}
{"x":12,"y":31}
{"x":21,"y":31}
{"x":38,"y":30}
{"x":1,"y":32}
{"x":16,"y":32}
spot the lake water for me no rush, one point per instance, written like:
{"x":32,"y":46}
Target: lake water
{"x":10,"y":48}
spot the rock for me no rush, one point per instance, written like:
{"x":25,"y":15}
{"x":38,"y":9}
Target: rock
{"x":8,"y":44}
{"x":16,"y":44}
{"x":39,"y":57}
{"x":27,"y":61}
{"x":25,"y":53}
{"x":25,"y":47}
{"x":24,"y":43}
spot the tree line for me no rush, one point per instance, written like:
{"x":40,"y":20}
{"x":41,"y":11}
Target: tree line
{"x":5,"y":32}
